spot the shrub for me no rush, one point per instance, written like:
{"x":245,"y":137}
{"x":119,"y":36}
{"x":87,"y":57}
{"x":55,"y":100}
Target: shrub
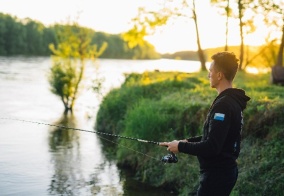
{"x":166,"y":106}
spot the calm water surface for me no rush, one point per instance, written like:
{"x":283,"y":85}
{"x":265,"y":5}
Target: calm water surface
{"x":45,"y":160}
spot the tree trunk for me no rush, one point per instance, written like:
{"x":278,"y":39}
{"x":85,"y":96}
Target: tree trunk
{"x":241,"y":58}
{"x":277,"y":73}
{"x":74,"y":97}
{"x":281,"y":47}
{"x":227,"y":24}
{"x":200,"y":52}
{"x":66,"y":105}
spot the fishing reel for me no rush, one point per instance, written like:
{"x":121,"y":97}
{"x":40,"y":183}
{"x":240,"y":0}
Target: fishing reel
{"x":170,"y":158}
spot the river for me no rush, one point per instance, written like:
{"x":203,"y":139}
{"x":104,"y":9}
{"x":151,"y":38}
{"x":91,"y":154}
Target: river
{"x":39,"y":160}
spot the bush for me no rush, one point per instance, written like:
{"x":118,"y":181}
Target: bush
{"x":163,"y":106}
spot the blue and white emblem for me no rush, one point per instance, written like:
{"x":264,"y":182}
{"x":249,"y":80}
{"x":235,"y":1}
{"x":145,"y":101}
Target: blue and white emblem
{"x":219,"y":116}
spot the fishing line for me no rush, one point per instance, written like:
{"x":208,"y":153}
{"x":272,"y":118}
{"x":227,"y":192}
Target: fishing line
{"x":97,"y":132}
{"x":77,"y":129}
{"x":128,"y":148}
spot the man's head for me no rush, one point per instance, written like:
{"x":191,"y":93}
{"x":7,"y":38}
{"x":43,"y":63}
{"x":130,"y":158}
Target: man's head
{"x":223,"y":67}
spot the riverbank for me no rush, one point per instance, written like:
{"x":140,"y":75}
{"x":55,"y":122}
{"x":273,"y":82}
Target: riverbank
{"x":161,"y":106}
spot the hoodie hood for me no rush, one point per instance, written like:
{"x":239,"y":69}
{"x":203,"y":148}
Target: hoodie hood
{"x":237,"y":94}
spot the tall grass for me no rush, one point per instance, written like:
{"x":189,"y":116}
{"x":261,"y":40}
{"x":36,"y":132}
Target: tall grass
{"x":163,"y":106}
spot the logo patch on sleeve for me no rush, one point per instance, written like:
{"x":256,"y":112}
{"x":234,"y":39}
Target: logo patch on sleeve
{"x":219,"y":116}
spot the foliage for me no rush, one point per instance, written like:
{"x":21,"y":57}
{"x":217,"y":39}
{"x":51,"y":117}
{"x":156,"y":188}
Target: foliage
{"x":261,"y":57}
{"x":256,"y":56}
{"x":136,"y":87}
{"x":144,"y":24}
{"x":29,"y":37}
{"x":261,"y":164}
{"x":162,"y":106}
{"x":25,"y":37}
{"x":119,"y":49}
{"x":63,"y":79}
{"x":73,"y":49}
{"x":184,"y":55}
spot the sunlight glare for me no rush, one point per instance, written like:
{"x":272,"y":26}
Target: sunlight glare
{"x":114,"y":17}
{"x":255,"y":70}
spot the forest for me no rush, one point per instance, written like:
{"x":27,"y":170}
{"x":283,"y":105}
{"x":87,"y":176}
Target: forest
{"x":32,"y":38}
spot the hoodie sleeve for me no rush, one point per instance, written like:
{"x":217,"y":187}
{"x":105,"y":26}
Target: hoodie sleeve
{"x":212,"y":143}
{"x":194,"y":139}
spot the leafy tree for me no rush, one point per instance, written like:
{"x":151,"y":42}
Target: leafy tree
{"x":146,"y":23}
{"x":48,"y":37}
{"x":24,"y":37}
{"x":69,"y":57}
{"x":34,"y":36}
{"x":13,"y":35}
{"x":3,"y":31}
{"x":224,"y":5}
{"x":200,"y":50}
{"x":245,"y":11}
{"x":29,"y":37}
{"x":273,"y":11}
{"x":246,"y":26}
{"x":274,"y":17}
{"x":119,"y":49}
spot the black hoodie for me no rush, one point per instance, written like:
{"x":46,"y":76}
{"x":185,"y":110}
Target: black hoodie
{"x":219,"y":147}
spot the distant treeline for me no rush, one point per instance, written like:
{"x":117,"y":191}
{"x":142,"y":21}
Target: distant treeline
{"x":29,"y":37}
{"x":182,"y":55}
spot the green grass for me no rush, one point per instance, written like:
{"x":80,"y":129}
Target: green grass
{"x":162,"y":106}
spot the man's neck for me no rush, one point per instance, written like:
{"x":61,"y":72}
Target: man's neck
{"x":223,"y":86}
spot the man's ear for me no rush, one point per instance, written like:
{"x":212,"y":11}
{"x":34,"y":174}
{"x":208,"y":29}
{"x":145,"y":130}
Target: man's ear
{"x":220,"y":75}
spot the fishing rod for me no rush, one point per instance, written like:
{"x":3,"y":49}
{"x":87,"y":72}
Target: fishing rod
{"x":170,"y":158}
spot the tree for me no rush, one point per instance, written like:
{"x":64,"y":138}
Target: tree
{"x":3,"y":32}
{"x":34,"y":36}
{"x":13,"y":36}
{"x":199,"y":51}
{"x":146,"y":23}
{"x":69,"y":55}
{"x":119,"y":49}
{"x":224,"y":5}
{"x":274,"y":11}
{"x":246,"y":23}
{"x":246,"y":26}
{"x":274,"y":16}
{"x":281,"y":48}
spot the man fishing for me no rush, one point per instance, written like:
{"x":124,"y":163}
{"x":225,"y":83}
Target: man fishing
{"x":218,"y":148}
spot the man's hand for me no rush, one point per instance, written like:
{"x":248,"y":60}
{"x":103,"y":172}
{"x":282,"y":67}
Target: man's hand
{"x":172,"y":146}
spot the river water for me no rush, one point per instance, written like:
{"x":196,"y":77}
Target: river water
{"x":37,"y":159}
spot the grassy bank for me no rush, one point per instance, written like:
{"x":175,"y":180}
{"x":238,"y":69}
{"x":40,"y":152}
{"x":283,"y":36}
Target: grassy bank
{"x":162,"y":106}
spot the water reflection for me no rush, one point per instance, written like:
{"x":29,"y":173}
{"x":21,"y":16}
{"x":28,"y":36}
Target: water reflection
{"x":131,"y":185}
{"x":71,"y":175}
{"x":42,"y":160}
{"x":63,"y":138}
{"x":64,"y":145}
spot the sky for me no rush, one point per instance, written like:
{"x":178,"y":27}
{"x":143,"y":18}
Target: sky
{"x":114,"y":16}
